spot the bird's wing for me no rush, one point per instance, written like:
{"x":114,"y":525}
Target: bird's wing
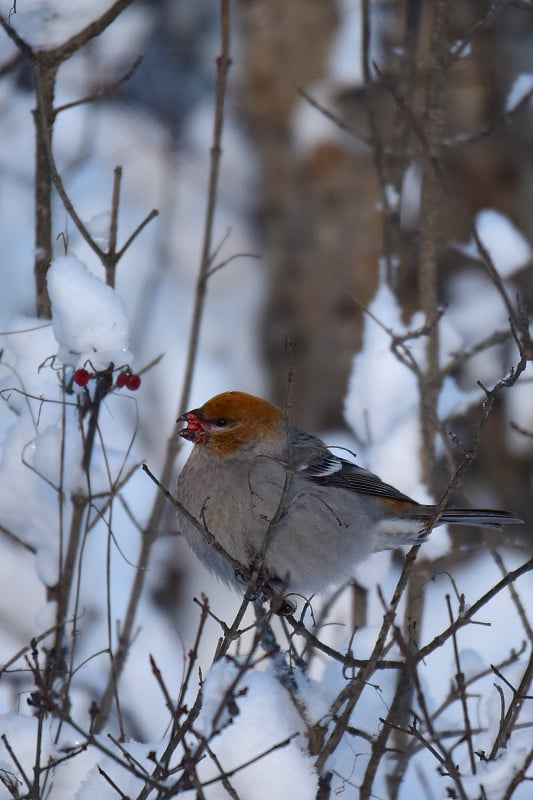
{"x":314,"y":460}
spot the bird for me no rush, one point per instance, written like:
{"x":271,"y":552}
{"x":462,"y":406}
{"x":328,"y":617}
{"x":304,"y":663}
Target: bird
{"x":256,"y":489}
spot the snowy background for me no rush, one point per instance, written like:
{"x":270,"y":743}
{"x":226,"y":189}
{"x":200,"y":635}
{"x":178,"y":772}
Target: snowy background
{"x":147,"y":316}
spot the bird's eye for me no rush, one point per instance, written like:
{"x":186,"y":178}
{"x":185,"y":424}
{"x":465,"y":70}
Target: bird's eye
{"x":222,"y":422}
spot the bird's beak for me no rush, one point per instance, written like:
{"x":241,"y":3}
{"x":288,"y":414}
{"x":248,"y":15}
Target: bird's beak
{"x":195,"y":430}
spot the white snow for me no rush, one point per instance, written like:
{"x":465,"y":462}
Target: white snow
{"x":389,"y":430}
{"x":522,"y":85}
{"x":311,"y":128}
{"x":519,"y":412}
{"x":45,"y":23}
{"x":411,"y":196}
{"x":21,"y":731}
{"x":454,"y":400}
{"x":508,"y":248}
{"x":258,"y":697}
{"x":345,"y":64}
{"x":89,"y":318}
{"x":460,"y":49}
{"x":99,"y":226}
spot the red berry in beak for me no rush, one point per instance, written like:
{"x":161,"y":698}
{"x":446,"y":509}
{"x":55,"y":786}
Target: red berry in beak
{"x":195,"y":431}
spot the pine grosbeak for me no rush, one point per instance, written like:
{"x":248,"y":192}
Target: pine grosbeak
{"x":260,"y":486}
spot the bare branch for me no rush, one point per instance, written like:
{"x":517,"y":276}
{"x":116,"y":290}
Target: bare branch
{"x":508,"y":722}
{"x":466,"y":617}
{"x":461,"y":689}
{"x":105,"y":91}
{"x":223,"y":65}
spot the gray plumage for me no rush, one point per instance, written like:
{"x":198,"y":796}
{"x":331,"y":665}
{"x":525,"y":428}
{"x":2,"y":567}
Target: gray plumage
{"x":328,"y":513}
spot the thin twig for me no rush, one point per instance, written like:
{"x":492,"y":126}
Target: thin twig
{"x":229,"y":773}
{"x":519,"y":776}
{"x":345,"y":659}
{"x":349,"y":696}
{"x":512,"y":591}
{"x":334,"y":118}
{"x":380,"y":162}
{"x":140,"y":227}
{"x":461,"y":690}
{"x":466,"y":617}
{"x":105,"y":91}
{"x":16,"y":762}
{"x":513,"y":710}
{"x":223,"y":65}
{"x":151,"y":530}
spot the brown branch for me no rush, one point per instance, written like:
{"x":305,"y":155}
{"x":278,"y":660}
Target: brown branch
{"x":466,"y":617}
{"x":11,"y":64}
{"x":434,"y":744}
{"x":379,"y":743}
{"x":509,"y":720}
{"x":461,"y":690}
{"x":45,"y":78}
{"x":350,"y":695}
{"x":430,"y":203}
{"x":65,"y":50}
{"x":519,"y":776}
{"x":345,"y":659}
{"x":17,"y":763}
{"x":14,"y":538}
{"x":152,"y":526}
{"x":377,"y":142}
{"x":514,"y":594}
{"x":140,"y":227}
{"x":151,"y":529}
{"x":413,"y":617}
{"x":21,"y":43}
{"x":516,"y":318}
{"x":23,"y":650}
{"x":46,"y":63}
{"x":253,"y":760}
{"x":223,"y":65}
{"x":334,"y":118}
{"x":457,"y":359}
{"x":179,"y":730}
{"x":452,"y":695}
{"x":105,"y":91}
{"x":110,"y":263}
{"x":502,"y":119}
{"x":223,"y":775}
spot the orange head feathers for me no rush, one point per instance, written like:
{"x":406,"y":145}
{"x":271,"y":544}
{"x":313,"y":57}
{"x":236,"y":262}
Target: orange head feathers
{"x":231,"y":422}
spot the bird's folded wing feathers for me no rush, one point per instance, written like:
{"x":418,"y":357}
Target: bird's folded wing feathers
{"x":315,"y":461}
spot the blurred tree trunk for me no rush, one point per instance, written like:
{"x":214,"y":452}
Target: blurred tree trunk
{"x":312,"y":207}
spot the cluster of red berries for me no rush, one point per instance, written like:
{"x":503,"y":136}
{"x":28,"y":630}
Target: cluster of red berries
{"x":129,"y":379}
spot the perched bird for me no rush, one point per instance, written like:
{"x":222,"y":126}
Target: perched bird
{"x":261,"y":487}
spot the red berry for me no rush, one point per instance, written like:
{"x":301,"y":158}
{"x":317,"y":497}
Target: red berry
{"x":122,"y":380}
{"x":133,"y":382}
{"x":81,"y":377}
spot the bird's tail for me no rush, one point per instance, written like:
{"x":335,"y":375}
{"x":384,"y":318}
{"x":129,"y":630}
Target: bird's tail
{"x":484,"y":517}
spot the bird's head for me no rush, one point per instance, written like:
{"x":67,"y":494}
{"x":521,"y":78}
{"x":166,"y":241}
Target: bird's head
{"x":234,"y":421}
